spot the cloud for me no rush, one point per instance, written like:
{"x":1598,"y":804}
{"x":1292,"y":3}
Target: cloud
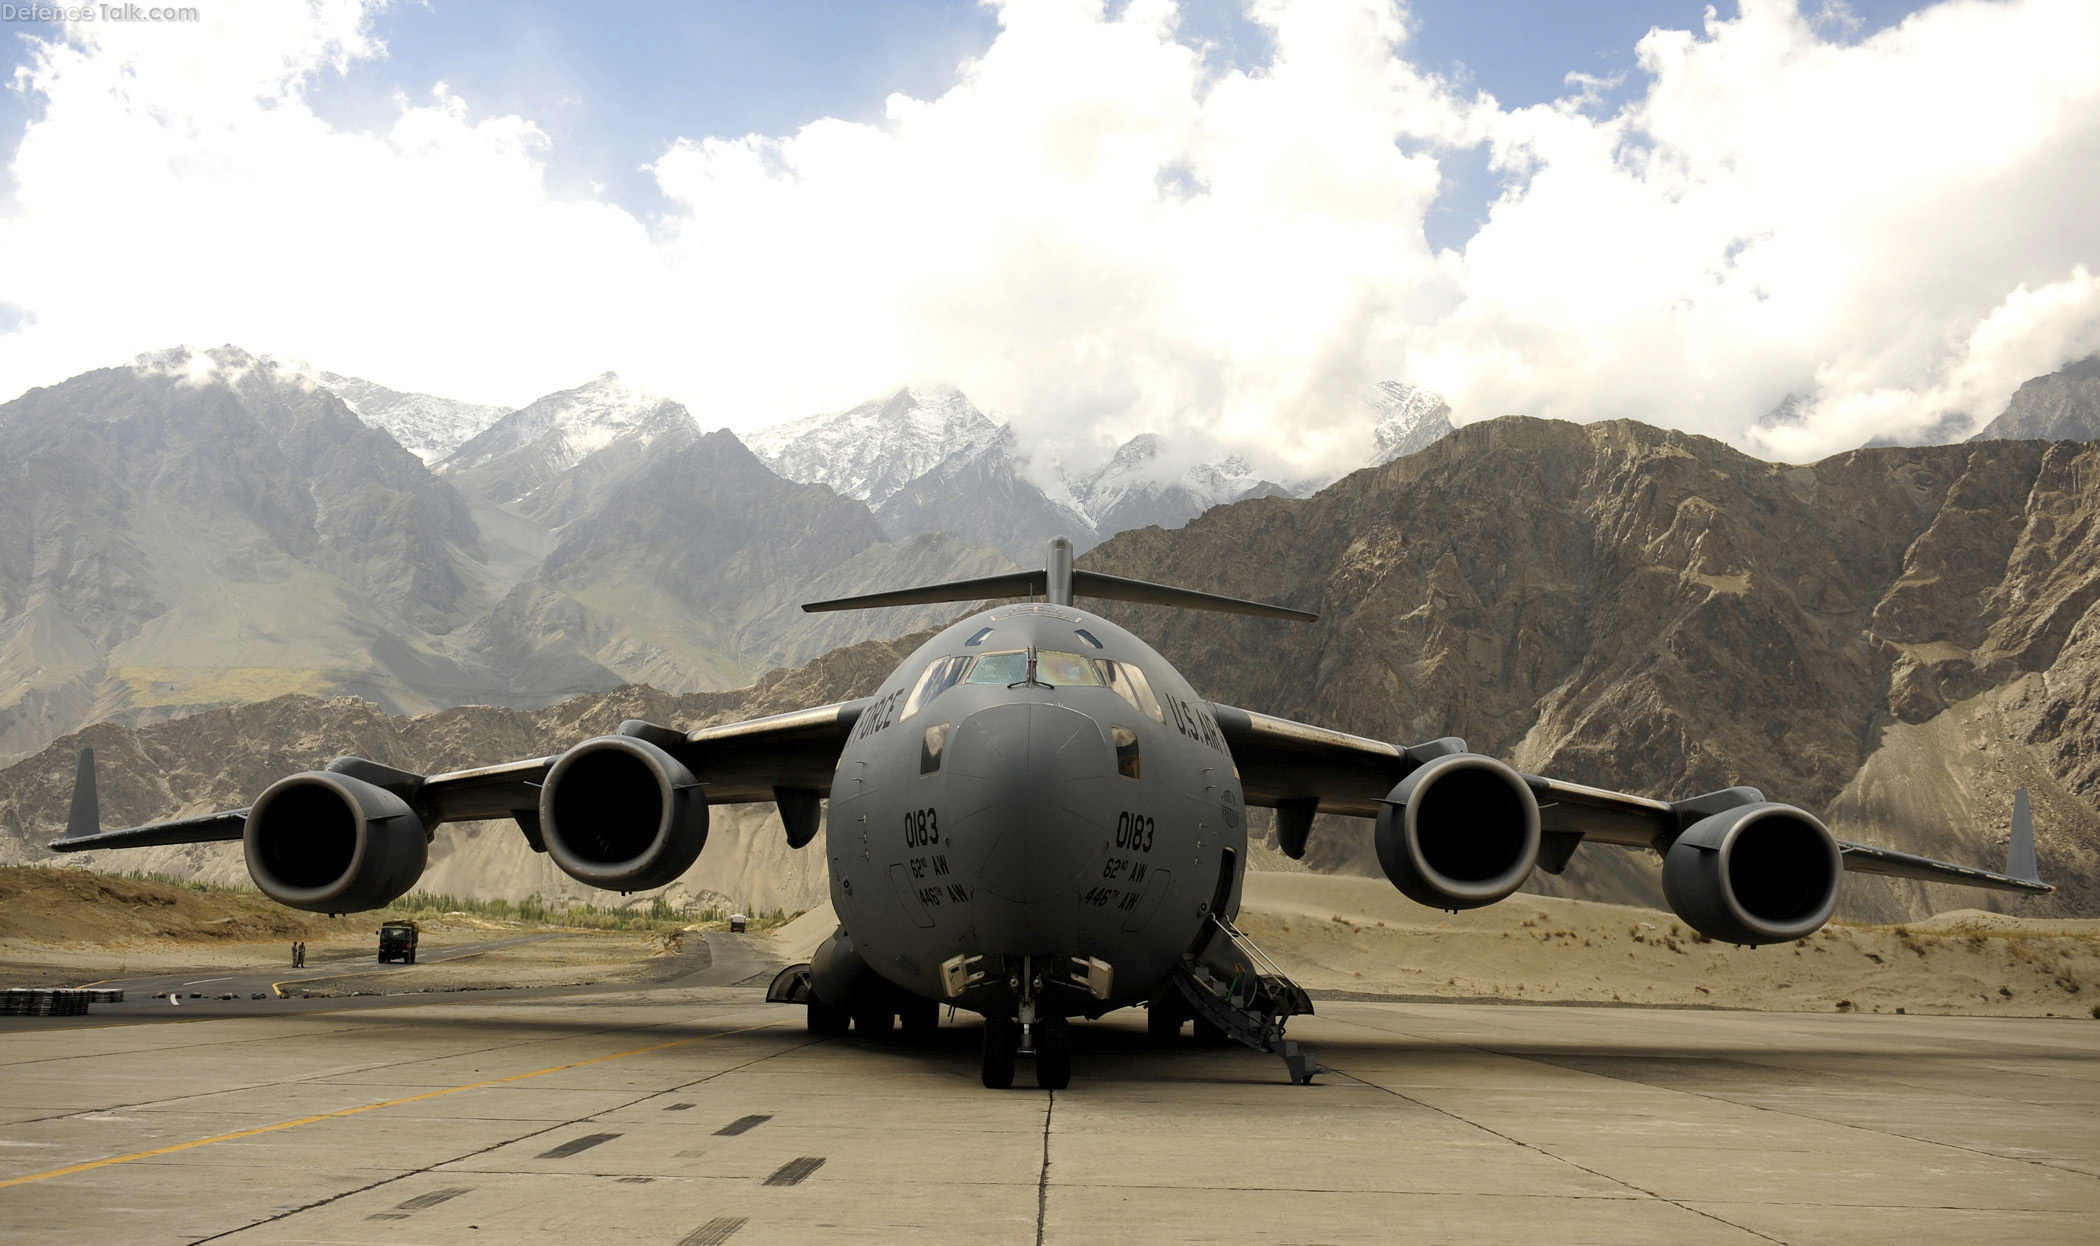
{"x":1096,"y":234}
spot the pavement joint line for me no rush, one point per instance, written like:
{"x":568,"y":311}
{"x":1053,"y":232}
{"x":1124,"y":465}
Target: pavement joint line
{"x":499,"y":1145}
{"x":1529,"y":1146}
{"x":1042,"y":1180}
{"x":1716,"y":1097}
{"x":322,"y":1076}
{"x":70,"y":1169}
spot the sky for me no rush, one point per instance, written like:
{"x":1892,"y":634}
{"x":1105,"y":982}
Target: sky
{"x":1796,"y":227}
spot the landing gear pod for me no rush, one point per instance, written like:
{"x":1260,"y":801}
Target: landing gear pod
{"x":1759,"y":873}
{"x":1460,"y":832}
{"x":328,"y":843}
{"x":622,"y":814}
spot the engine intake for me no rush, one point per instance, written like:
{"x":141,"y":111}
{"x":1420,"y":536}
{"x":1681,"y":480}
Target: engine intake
{"x":1758,"y":873}
{"x":622,"y":814}
{"x":328,"y":843}
{"x":1460,"y":832}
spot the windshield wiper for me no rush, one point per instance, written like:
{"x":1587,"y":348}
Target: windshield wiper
{"x":1031,"y":681}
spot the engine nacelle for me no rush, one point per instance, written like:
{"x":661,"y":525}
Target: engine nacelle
{"x":622,"y":814}
{"x":1460,"y":832}
{"x":1758,"y":873}
{"x":328,"y":843}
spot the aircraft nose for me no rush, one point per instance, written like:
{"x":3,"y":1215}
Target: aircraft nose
{"x":1044,"y":770}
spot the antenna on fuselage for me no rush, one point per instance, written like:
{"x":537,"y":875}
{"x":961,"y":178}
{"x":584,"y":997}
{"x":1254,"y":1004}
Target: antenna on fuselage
{"x":1059,"y":583}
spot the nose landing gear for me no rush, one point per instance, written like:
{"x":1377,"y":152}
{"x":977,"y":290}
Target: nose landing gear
{"x":1051,"y":1045}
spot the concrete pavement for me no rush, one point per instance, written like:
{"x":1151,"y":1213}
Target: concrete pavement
{"x":694,"y":1113}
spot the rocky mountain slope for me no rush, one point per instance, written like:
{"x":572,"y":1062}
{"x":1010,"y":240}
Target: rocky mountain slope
{"x":1406,"y":418}
{"x":872,"y":450}
{"x":985,"y":495}
{"x":224,"y":758}
{"x":1892,"y":638}
{"x":426,"y":425}
{"x":209,"y":528}
{"x":1131,"y":490}
{"x":689,"y":575}
{"x":2064,"y":405}
{"x":927,"y":460}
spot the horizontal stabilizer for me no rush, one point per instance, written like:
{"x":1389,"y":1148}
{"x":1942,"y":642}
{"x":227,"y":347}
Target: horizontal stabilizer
{"x":84,"y":822}
{"x":1019,"y":584}
{"x":1867,"y":859}
{"x":1058,"y":584}
{"x":1116,"y":588}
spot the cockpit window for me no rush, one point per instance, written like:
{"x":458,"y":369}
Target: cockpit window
{"x":1064,"y":670}
{"x":1130,"y":683}
{"x":1087,"y":636}
{"x":1000,"y":668}
{"x":978,"y":635}
{"x":940,"y":675}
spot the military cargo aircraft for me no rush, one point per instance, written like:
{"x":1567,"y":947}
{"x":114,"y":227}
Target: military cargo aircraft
{"x":1036,"y":818}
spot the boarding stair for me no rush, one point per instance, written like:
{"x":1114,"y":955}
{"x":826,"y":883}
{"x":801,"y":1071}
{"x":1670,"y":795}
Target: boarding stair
{"x":1232,"y":985}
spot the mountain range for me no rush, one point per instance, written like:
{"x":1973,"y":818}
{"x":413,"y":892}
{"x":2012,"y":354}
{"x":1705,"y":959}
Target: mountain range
{"x":927,"y":460}
{"x":207,"y":529}
{"x":200,"y":529}
{"x":1893,"y":638}
{"x":204,"y":528}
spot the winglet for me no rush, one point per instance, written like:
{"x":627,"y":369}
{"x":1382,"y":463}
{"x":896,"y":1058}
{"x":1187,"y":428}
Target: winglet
{"x":86,"y":816}
{"x":2019,"y":851}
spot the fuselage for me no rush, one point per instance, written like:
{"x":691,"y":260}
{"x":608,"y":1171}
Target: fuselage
{"x":1033,"y":785}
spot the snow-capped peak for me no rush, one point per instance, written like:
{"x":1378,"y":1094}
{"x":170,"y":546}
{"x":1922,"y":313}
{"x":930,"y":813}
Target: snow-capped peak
{"x":570,"y":425}
{"x":878,"y":447}
{"x":1133,"y":489}
{"x":426,"y":425}
{"x":1408,"y":418}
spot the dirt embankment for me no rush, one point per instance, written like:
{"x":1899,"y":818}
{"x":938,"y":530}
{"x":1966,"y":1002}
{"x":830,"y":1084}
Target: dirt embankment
{"x":1354,"y":934}
{"x":49,"y":905}
{"x":66,"y":927}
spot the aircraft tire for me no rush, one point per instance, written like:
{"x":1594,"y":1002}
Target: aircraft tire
{"x":1053,"y":1053}
{"x":826,"y":1021}
{"x":1000,"y":1043}
{"x":875,"y":1019}
{"x":921,"y":1018}
{"x":1163,"y":1021}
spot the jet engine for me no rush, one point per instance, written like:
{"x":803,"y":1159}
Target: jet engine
{"x":622,"y":814}
{"x":328,"y":843}
{"x":1460,"y":832}
{"x":1758,"y":873}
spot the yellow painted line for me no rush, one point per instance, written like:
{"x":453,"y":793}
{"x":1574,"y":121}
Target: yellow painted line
{"x":368,"y":1107}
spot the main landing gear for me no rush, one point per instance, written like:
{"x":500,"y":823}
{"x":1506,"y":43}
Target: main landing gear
{"x":1050,"y":1040}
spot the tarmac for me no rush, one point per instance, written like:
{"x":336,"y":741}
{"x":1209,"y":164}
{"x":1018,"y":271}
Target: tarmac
{"x":692,"y":1113}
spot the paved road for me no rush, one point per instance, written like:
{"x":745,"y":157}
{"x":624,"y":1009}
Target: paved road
{"x":201,"y":990}
{"x":697,"y":1114}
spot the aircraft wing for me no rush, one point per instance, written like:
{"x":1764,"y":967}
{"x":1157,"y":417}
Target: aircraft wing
{"x":1300,"y":769}
{"x":788,"y":758}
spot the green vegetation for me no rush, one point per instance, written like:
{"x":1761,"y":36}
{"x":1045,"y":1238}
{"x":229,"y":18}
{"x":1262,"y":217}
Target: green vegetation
{"x":533,"y":910}
{"x":169,"y":880}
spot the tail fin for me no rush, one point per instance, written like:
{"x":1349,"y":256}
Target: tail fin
{"x":86,"y":816}
{"x":2019,"y":851}
{"x":1059,"y":583}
